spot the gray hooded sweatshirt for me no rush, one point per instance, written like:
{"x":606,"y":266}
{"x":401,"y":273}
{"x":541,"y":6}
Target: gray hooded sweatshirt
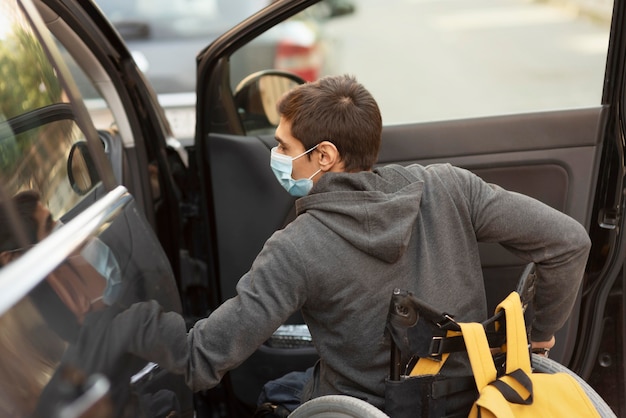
{"x":358,"y":236}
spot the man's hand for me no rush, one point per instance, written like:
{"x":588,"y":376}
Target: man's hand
{"x":542,"y":348}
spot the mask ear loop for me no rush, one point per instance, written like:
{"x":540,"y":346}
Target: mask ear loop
{"x":315,"y":174}
{"x":305,"y":152}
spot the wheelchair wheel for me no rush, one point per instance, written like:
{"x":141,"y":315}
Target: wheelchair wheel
{"x":545,"y":365}
{"x":337,"y":406}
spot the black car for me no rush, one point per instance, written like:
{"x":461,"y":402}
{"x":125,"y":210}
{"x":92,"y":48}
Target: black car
{"x":178,"y":225}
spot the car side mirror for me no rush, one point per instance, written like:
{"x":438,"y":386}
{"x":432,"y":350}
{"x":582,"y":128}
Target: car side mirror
{"x":81,"y":170}
{"x":256,"y":97}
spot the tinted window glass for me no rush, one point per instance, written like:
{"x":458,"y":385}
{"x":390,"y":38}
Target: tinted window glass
{"x":77,"y":326}
{"x":37,"y":126}
{"x":30,"y":354}
{"x":74,"y":258}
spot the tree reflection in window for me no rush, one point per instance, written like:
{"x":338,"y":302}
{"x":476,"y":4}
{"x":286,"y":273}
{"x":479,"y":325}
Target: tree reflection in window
{"x":37,"y":128}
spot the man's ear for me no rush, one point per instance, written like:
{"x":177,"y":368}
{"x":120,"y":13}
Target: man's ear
{"x":328,"y":157}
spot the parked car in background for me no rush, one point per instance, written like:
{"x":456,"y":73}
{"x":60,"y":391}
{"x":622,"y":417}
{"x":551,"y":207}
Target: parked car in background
{"x":164,"y":38}
{"x":175,"y":225}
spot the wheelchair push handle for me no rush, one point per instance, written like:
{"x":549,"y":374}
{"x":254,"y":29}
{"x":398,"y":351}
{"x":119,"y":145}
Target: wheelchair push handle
{"x":429,"y":325}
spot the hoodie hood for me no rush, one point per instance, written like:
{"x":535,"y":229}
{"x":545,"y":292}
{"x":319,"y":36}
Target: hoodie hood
{"x":374,"y":211}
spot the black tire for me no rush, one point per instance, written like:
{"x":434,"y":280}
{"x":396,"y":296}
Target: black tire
{"x":337,"y":406}
{"x":542,"y":364}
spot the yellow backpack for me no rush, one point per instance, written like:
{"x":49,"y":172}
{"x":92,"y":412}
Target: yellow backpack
{"x":520,"y":392}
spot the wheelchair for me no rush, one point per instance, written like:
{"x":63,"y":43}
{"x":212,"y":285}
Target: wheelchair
{"x":418,"y":331}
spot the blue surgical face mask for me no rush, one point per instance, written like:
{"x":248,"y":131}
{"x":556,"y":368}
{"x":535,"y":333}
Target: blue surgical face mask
{"x":101,"y":258}
{"x":282,"y":166}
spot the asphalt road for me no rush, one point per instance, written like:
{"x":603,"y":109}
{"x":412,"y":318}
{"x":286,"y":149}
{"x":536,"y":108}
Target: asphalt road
{"x":440,"y":59}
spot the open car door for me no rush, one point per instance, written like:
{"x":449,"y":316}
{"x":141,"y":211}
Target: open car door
{"x":568,"y":154}
{"x":80,"y":261}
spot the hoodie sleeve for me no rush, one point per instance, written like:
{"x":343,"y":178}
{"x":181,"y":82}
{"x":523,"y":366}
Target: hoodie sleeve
{"x":536,"y":232}
{"x":266,"y":296}
{"x":147,"y":331}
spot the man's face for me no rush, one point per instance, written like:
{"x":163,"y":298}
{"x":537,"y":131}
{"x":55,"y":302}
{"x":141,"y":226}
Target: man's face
{"x":45,"y":223}
{"x":303,"y":167}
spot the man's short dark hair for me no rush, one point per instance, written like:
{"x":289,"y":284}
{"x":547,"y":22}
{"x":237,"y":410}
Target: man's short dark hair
{"x":336,"y":109}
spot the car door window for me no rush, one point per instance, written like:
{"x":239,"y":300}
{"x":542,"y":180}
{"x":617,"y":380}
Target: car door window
{"x":429,"y":61}
{"x":38,"y":123}
{"x":37,"y":133}
{"x":460,"y":59}
{"x":101,"y":114}
{"x":77,"y":329}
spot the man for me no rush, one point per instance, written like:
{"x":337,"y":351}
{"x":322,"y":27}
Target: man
{"x":361,"y":232}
